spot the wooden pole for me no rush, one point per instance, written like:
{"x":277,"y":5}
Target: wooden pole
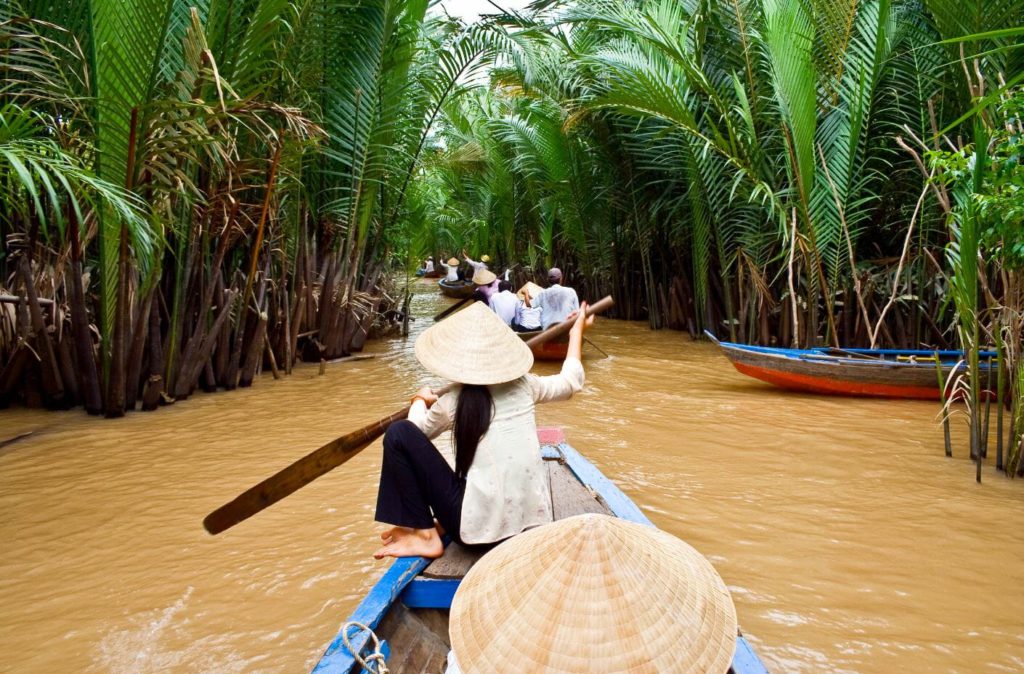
{"x":942,"y":399}
{"x":336,"y":452}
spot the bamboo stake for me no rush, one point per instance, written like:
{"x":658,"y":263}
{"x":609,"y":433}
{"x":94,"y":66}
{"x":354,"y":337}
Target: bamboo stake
{"x":943,"y":399}
{"x":1000,"y":397}
{"x":988,"y":409}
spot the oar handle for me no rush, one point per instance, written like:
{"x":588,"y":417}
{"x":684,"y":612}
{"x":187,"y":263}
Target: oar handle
{"x":444,"y":314}
{"x":564,"y":327}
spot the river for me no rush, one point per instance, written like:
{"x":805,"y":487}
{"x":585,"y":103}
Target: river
{"x":848,"y":541}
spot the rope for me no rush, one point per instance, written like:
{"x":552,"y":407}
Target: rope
{"x":379,"y":666}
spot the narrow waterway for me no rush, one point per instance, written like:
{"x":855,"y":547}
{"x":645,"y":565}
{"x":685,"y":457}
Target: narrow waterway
{"x":849,"y":542}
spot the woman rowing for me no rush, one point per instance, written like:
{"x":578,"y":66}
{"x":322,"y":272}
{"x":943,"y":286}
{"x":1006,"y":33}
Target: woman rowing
{"x":498,"y":486}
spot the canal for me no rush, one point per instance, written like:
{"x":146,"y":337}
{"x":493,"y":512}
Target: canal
{"x":849,"y":542}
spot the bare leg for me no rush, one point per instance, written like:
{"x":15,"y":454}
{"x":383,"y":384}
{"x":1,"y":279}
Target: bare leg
{"x":411,"y":543}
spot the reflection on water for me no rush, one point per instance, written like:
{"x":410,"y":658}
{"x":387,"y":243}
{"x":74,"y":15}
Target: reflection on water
{"x":849,"y":542}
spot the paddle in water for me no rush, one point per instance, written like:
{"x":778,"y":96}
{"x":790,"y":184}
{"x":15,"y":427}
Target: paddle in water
{"x":336,"y":452}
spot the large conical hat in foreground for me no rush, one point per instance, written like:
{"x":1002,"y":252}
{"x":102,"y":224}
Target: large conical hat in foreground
{"x":473,"y":347}
{"x":593,"y":594}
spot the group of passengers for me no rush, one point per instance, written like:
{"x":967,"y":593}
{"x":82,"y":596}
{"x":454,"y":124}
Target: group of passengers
{"x":531,"y":308}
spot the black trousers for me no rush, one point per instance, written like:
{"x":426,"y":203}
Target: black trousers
{"x":417,"y":484}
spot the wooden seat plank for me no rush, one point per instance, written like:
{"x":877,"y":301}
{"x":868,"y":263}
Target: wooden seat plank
{"x":569,"y":496}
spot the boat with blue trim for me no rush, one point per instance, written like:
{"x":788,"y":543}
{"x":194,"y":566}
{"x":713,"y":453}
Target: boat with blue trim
{"x":408,"y":607}
{"x":878,"y":373}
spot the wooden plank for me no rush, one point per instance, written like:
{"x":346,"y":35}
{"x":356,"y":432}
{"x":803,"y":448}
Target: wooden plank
{"x":569,"y":496}
{"x":587,"y":473}
{"x":454,"y":563}
{"x":336,"y":659}
{"x":416,"y":646}
{"x":430,"y":592}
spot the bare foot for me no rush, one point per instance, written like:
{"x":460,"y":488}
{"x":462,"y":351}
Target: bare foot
{"x":389,"y":534}
{"x":411,"y":543}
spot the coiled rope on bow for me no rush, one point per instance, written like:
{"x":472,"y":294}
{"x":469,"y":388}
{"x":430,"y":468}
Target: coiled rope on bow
{"x":377,"y":658}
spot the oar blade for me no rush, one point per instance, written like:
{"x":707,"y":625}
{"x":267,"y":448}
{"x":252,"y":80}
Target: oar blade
{"x":296,"y":476}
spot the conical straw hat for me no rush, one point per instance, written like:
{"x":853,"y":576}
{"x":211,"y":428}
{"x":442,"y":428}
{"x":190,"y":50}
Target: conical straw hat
{"x":593,"y":594}
{"x":474,"y":347}
{"x":484,"y":277}
{"x":531,"y":289}
{"x":453,"y":262}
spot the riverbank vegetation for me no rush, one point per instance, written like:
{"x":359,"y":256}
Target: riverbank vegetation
{"x":191,"y":189}
{"x":194,"y":189}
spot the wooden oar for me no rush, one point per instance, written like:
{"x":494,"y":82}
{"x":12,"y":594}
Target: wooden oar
{"x":335,"y":453}
{"x":450,"y":310}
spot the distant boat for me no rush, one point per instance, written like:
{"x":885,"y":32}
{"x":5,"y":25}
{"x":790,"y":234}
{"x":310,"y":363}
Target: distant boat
{"x":408,"y":607}
{"x":877,"y":373}
{"x":554,"y":350}
{"x":460,"y":290}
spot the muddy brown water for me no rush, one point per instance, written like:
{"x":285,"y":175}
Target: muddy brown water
{"x":849,"y":542}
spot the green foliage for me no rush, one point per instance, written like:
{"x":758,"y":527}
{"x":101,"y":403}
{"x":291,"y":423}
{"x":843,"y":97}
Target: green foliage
{"x":990,"y":184}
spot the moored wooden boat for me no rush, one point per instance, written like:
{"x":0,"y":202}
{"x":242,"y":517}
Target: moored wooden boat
{"x":459,"y":290}
{"x":408,"y":607}
{"x":555,"y":350}
{"x":879,"y":373}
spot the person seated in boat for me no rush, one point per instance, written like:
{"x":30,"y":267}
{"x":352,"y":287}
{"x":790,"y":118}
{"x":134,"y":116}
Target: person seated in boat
{"x":503,"y":303}
{"x":527,"y":319}
{"x":556,"y":302}
{"x":451,"y":270}
{"x":477,"y":266}
{"x":427,"y":268}
{"x":486,"y":285}
{"x":498,"y":486}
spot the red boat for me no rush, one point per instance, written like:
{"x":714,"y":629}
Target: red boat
{"x":554,"y":350}
{"x":878,"y":373}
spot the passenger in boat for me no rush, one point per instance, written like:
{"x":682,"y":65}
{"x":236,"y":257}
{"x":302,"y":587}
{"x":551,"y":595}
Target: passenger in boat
{"x":498,"y":486}
{"x":486,"y":285}
{"x":427,"y":268}
{"x":527,"y":318}
{"x":503,"y":303}
{"x":451,"y":270}
{"x":556,"y":302}
{"x":477,"y":266}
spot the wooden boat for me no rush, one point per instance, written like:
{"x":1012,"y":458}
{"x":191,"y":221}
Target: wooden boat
{"x":430,"y":274}
{"x":879,"y":373}
{"x":408,"y":607}
{"x":459,"y":290}
{"x":555,"y":350}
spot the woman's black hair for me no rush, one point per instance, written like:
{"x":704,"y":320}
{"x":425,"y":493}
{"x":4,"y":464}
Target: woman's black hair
{"x":473,"y":415}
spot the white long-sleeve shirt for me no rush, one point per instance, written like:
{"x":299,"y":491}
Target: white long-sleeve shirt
{"x":507,"y":489}
{"x":527,"y":318}
{"x":477,"y":266}
{"x":504,"y":304}
{"x":555,"y":303}
{"x":453,"y":272}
